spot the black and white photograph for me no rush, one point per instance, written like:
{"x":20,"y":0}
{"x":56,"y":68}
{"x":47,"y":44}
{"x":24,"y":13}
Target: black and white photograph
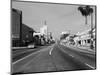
{"x":52,"y":37}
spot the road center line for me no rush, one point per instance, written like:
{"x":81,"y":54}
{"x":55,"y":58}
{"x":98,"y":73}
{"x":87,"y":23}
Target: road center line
{"x":71,"y":55}
{"x":90,"y":66}
{"x":51,"y":50}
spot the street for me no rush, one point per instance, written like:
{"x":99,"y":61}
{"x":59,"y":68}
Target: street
{"x":55,"y":57}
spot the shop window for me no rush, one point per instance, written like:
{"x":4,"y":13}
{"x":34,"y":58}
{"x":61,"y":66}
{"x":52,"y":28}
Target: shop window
{"x":89,"y":41}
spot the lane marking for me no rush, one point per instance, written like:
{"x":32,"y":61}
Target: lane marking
{"x":90,"y":66}
{"x":71,"y":55}
{"x":51,"y":50}
{"x":27,"y":56}
{"x":83,"y":62}
{"x":65,"y":51}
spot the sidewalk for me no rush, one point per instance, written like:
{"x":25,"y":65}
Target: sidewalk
{"x":80,"y":48}
{"x":83,"y":47}
{"x":26,"y":47}
{"x":21,"y":47}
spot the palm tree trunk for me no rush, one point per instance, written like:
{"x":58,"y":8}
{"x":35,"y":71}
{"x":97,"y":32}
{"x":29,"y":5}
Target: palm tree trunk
{"x":86,"y":20}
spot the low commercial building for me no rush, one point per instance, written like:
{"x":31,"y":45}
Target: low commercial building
{"x":84,"y":38}
{"x":16,"y":22}
{"x":21,"y":34}
{"x":26,"y":34}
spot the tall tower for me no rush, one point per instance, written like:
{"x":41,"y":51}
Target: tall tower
{"x":44,"y":29}
{"x":45,"y":23}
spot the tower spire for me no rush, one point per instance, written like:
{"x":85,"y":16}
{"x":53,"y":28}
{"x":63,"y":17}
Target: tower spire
{"x":45,"y":23}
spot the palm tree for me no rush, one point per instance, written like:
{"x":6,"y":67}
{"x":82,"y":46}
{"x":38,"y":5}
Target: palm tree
{"x":86,"y":11}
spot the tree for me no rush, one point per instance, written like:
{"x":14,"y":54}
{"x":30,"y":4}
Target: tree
{"x":85,"y":11}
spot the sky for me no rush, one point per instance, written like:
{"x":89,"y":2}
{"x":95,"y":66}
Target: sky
{"x":59,"y":17}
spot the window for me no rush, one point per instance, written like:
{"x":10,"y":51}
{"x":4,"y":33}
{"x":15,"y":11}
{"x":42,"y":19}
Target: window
{"x":89,"y":41}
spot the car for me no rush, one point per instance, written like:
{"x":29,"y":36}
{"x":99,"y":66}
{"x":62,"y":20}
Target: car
{"x":31,"y":45}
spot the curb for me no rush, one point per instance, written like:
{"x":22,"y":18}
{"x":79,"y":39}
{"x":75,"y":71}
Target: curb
{"x":80,"y":48}
{"x":21,"y":47}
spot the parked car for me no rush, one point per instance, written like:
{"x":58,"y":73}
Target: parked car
{"x":32,"y":45}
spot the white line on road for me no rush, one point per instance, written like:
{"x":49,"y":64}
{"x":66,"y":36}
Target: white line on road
{"x":71,"y":55}
{"x":90,"y":66}
{"x":26,"y":57}
{"x":51,"y":50}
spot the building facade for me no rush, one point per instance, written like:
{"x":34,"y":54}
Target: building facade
{"x":21,"y":34}
{"x":16,"y":21}
{"x":84,"y":38}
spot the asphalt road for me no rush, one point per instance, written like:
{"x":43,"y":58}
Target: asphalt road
{"x":52,"y":58}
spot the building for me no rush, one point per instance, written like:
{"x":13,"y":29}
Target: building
{"x":21,"y":34}
{"x":16,"y":22}
{"x":84,"y":38}
{"x":64,"y":35}
{"x":39,"y":38}
{"x":26,"y":34}
{"x":43,"y":30}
